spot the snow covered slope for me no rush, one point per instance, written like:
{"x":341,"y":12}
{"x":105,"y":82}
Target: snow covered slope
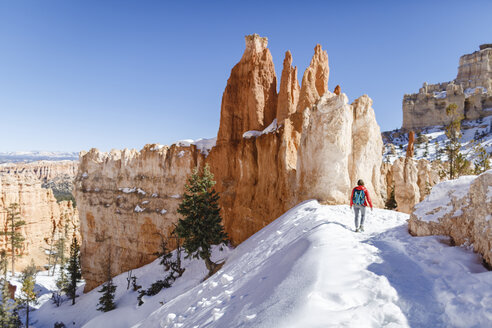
{"x":309,"y":269}
{"x":480,"y":130}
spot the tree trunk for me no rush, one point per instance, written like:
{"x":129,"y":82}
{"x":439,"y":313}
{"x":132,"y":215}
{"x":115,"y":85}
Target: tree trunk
{"x":27,"y":315}
{"x":211,"y":266}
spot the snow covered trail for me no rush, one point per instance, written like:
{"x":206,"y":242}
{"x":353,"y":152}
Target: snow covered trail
{"x":309,"y":269}
{"x":306,"y":269}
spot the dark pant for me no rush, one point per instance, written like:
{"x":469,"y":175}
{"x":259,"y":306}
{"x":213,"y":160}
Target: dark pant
{"x":362,"y":210}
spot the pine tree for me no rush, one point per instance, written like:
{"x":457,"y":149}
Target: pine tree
{"x":106,"y":301}
{"x":482,"y":159}
{"x":6,"y":307}
{"x":453,"y":132}
{"x":3,"y":263}
{"x":13,"y":234}
{"x":74,"y":274}
{"x":28,"y":295}
{"x":202,"y":224}
{"x":391,"y":201}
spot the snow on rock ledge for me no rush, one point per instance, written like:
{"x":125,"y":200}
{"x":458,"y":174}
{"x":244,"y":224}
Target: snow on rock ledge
{"x":460,"y":209}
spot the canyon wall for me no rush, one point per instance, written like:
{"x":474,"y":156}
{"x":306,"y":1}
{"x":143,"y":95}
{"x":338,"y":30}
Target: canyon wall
{"x":44,"y":216}
{"x":471,"y":91}
{"x":270,"y":148}
{"x":461,"y":209}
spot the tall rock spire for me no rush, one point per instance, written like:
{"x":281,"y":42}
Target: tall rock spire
{"x":315,"y":79}
{"x":249,"y":101}
{"x":288,"y":96}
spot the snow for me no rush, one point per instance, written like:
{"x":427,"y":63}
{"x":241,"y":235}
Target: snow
{"x":157,"y":147}
{"x":163,"y":211}
{"x":471,"y":129}
{"x":138,"y":209}
{"x":440,"y":94}
{"x":181,"y":154}
{"x":154,"y":195}
{"x":141,"y":192}
{"x":145,"y":202}
{"x":471,"y":91}
{"x":432,"y":207}
{"x":308,"y":268}
{"x":177,"y":196}
{"x":269,"y":129}
{"x":127,"y":190}
{"x":489,"y":193}
{"x":85,"y":175}
{"x":202,"y":144}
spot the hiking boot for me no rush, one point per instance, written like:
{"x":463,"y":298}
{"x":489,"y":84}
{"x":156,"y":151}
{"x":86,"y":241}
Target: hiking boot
{"x":361,"y":229}
{"x":357,"y":230}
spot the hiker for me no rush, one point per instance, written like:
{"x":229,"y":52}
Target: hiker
{"x":359,"y":199}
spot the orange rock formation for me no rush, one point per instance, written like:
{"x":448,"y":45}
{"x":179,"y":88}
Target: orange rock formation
{"x":259,"y":174}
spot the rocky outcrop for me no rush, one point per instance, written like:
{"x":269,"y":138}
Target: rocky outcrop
{"x":460,"y":209}
{"x":367,"y":146}
{"x":268,"y":157}
{"x":38,"y":207}
{"x":314,"y":80}
{"x":249,"y":101}
{"x":288,"y":96}
{"x":410,"y":179}
{"x":55,"y":175}
{"x":42,"y":170}
{"x":127,"y":200}
{"x":471,"y":91}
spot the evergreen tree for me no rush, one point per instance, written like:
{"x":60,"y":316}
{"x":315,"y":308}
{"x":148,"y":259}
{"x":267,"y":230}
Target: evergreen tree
{"x":74,"y":274}
{"x":28,"y":295}
{"x":15,"y":321}
{"x":390,"y":203}
{"x":6,"y":306}
{"x":453,"y":132}
{"x":482,"y":160}
{"x":14,"y":223}
{"x":3,"y":263}
{"x":202,"y":224}
{"x":106,"y":301}
{"x":61,"y":285}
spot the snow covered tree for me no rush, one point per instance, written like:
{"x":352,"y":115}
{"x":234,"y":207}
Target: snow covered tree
{"x":482,"y":159}
{"x":202,"y":225}
{"x":453,"y":132}
{"x":106,"y":301}
{"x":28,"y":295}
{"x":15,"y":238}
{"x":74,"y":274}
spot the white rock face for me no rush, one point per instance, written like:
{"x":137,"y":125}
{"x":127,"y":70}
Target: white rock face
{"x":326,"y":145}
{"x":366,"y":159}
{"x":460,"y":209}
{"x":340,"y":144}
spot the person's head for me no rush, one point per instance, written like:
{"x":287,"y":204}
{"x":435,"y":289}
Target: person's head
{"x":360,"y":182}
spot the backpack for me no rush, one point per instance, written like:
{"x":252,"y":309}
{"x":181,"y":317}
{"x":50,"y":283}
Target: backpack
{"x":359,"y":197}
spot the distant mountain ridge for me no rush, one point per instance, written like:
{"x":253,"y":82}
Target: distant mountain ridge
{"x":32,"y":156}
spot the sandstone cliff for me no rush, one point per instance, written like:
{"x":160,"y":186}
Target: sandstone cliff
{"x":268,"y":154}
{"x":38,"y":207}
{"x":461,"y":209}
{"x":471,"y":91}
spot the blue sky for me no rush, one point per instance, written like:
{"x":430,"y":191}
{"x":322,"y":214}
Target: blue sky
{"x":114,"y":74}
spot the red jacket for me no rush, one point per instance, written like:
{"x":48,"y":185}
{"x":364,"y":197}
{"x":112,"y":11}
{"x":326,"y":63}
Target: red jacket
{"x":368,"y":199}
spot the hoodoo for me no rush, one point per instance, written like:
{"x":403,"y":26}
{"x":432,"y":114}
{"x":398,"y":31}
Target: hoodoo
{"x":270,"y":154}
